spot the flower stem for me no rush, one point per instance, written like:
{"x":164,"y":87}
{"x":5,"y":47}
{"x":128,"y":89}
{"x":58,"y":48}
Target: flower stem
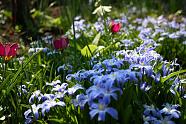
{"x":4,"y":70}
{"x":74,"y":40}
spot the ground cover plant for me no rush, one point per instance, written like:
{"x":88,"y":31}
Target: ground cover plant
{"x":129,"y":69}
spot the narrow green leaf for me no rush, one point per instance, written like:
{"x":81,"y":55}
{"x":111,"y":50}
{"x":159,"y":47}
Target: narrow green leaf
{"x":12,"y":101}
{"x":39,"y":59}
{"x":51,"y":72}
{"x":13,"y":83}
{"x":5,"y":82}
{"x":57,"y":120}
{"x":163,"y":79}
{"x":25,"y":106}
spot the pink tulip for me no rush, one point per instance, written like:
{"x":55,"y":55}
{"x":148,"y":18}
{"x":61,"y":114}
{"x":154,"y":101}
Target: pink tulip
{"x":8,"y":50}
{"x":115,"y":27}
{"x":61,"y":43}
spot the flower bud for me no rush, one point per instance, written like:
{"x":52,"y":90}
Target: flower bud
{"x":115,"y":27}
{"x":61,"y":43}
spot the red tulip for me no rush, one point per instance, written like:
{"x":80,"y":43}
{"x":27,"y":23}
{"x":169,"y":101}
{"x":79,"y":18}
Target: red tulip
{"x":61,"y":43}
{"x":115,"y":27}
{"x":8,"y":51}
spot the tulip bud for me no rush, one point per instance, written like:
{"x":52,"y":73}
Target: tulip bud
{"x":8,"y":51}
{"x":61,"y":43}
{"x":115,"y":27}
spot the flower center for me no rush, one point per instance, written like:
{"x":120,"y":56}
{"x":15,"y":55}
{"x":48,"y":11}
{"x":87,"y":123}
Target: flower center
{"x":7,"y":58}
{"x":101,"y":107}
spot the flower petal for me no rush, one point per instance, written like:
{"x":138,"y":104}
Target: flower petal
{"x":113,"y":112}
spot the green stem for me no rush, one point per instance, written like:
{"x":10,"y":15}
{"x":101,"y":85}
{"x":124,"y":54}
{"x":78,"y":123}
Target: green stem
{"x":4,"y":71}
{"x":74,"y":40}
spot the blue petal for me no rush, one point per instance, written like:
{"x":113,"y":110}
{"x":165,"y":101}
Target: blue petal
{"x":101,"y":116}
{"x":93,"y":113}
{"x":175,"y":115}
{"x":113,"y":112}
{"x":27,"y":113}
{"x":93,"y":105}
{"x":60,"y":103}
{"x":36,"y":115}
{"x":28,"y":121}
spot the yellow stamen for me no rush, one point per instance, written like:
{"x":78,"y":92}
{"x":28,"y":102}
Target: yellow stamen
{"x":101,"y":107}
{"x":7,"y":58}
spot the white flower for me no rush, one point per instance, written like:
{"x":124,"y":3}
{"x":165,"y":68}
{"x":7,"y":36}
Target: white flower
{"x":101,"y":10}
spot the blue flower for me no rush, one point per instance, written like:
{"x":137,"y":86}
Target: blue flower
{"x":144,"y":69}
{"x":86,"y":75}
{"x":142,"y":54}
{"x":28,"y":121}
{"x":54,"y":83}
{"x":122,"y":76}
{"x":101,"y":109}
{"x":47,"y":97}
{"x":165,"y":69}
{"x":97,"y":79}
{"x":52,"y":53}
{"x":22,"y":89}
{"x":47,"y":38}
{"x":110,"y":91}
{"x":156,"y":77}
{"x":94,"y":92}
{"x":151,"y":110}
{"x":65,"y":67}
{"x":171,"y":110}
{"x":46,"y":105}
{"x":108,"y":65}
{"x":80,"y":100}
{"x":132,"y":75}
{"x":35,"y":110}
{"x":184,"y":96}
{"x":163,"y":120}
{"x":144,"y":86}
{"x":148,"y":119}
{"x":98,"y":25}
{"x":176,"y":86}
{"x":36,"y":94}
{"x":104,"y":91}
{"x":60,"y":94}
{"x":81,"y":75}
{"x":75,"y":76}
{"x":127,"y":43}
{"x":153,"y":115}
{"x":60,"y":88}
{"x":73,"y":89}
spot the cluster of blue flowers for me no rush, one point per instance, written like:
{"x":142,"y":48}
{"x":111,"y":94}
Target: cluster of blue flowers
{"x":166,"y":115}
{"x":106,"y":79}
{"x":152,"y":27}
{"x":109,"y":77}
{"x":47,"y":101}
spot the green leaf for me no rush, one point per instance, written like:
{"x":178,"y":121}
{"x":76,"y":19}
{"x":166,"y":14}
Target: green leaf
{"x":61,"y":121}
{"x":12,"y":101}
{"x":25,"y":106}
{"x":13,"y":81}
{"x":88,"y":50}
{"x":56,"y":21}
{"x":96,"y":39}
{"x":51,"y":72}
{"x":163,"y":79}
{"x":5,"y":82}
